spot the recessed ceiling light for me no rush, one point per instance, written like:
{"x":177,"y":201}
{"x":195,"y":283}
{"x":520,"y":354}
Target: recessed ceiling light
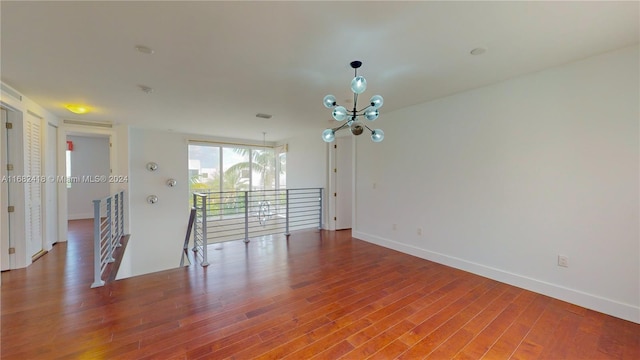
{"x":77,"y":109}
{"x":144,"y":49}
{"x":146,"y":89}
{"x":263,"y":116}
{"x":478,"y":51}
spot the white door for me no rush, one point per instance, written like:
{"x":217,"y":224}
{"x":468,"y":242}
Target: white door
{"x":33,"y":189}
{"x":51,"y":187}
{"x":344,"y":182}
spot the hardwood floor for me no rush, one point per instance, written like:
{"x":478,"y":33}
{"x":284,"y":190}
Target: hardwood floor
{"x":319,"y":295}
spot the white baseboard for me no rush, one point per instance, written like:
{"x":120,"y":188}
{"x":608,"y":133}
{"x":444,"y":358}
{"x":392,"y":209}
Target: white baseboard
{"x":577,"y":297}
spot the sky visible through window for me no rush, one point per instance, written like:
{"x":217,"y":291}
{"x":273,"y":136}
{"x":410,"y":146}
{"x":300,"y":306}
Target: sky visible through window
{"x":242,"y":168}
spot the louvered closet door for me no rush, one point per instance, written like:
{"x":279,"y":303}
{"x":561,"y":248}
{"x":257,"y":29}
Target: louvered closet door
{"x":33,"y":188}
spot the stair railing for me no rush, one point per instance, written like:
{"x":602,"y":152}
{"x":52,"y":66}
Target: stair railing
{"x":108,"y":230}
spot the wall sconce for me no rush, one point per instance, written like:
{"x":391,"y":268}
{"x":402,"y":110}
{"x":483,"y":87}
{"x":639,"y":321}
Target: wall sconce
{"x":152,"y":199}
{"x":151,"y":166}
{"x":171,"y":182}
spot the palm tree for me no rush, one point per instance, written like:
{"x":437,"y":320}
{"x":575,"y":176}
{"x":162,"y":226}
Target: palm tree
{"x":237,"y":178}
{"x":262,"y":162}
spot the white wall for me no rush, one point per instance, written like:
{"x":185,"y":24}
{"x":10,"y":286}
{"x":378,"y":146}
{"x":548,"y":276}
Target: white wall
{"x":306,"y":161}
{"x":90,"y":157}
{"x":504,"y":178}
{"x":158,"y":230}
{"x":307,"y":164}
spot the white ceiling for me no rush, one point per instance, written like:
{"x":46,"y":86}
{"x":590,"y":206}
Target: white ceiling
{"x":217,"y":64}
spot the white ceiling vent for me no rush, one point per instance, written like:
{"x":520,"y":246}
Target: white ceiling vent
{"x":100,"y":124}
{"x":9,"y":91}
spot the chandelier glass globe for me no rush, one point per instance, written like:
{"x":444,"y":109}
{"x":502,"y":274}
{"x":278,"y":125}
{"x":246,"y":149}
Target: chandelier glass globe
{"x":358,"y":85}
{"x":339,"y":113}
{"x":329,"y":101}
{"x":328,"y":135}
{"x":377,"y":135}
{"x":376,"y":101}
{"x":371,"y":113}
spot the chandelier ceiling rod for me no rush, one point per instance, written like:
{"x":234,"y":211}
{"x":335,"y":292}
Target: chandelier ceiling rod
{"x":340,"y":113}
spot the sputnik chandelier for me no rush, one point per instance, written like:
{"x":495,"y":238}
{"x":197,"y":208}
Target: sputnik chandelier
{"x":340,"y":113}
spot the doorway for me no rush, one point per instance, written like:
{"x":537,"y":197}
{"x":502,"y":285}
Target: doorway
{"x":343,"y":182}
{"x":88,"y":168}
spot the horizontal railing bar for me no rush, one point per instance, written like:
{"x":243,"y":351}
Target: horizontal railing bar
{"x":296,"y":218}
{"x":208,"y":192}
{"x":301,"y":224}
{"x":230,"y":220}
{"x":296,"y":209}
{"x":303,"y":210}
{"x":218,"y":230}
{"x":306,"y":211}
{"x":225,"y":227}
{"x":260,"y":229}
{"x":300,"y":221}
{"x":306,"y":202}
{"x":303,"y":196}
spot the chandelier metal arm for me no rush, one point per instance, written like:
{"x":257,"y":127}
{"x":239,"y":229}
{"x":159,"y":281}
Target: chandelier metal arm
{"x":355,"y":102}
{"x":338,"y":128}
{"x":355,"y":111}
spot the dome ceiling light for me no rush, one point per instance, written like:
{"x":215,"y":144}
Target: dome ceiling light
{"x":77,"y":109}
{"x":340,"y":113}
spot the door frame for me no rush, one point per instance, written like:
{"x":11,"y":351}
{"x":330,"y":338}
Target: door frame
{"x":15,"y":222}
{"x":51,"y":218}
{"x":82,"y":130}
{"x":332,"y":188}
{"x":5,"y":259}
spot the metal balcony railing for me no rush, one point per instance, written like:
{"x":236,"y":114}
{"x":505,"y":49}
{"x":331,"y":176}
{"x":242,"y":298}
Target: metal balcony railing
{"x":241,"y":215}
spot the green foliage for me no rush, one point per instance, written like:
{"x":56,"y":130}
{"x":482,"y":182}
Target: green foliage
{"x":261,"y":162}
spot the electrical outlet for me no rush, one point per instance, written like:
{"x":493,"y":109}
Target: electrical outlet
{"x":419,"y":231}
{"x":375,"y":186}
{"x":563,"y":261}
{"x":394,"y":226}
